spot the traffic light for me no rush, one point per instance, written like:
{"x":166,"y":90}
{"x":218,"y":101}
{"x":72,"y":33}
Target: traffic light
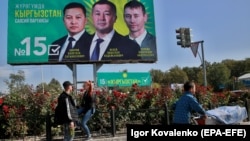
{"x":187,"y":37}
{"x":180,"y":36}
{"x":184,"y":37}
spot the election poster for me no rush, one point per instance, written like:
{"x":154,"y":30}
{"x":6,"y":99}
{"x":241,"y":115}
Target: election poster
{"x":39,"y":32}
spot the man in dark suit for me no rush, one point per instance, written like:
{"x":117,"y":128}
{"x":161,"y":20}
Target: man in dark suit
{"x":136,"y":17}
{"x":74,"y":46}
{"x":114,"y":46}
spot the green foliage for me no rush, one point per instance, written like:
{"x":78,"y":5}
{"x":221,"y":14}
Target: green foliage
{"x":221,"y":75}
{"x":25,"y":115}
{"x":24,"y":108}
{"x":218,"y":74}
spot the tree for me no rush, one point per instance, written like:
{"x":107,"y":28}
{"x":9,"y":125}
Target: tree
{"x":54,"y":88}
{"x":156,"y":75}
{"x":166,"y":78}
{"x":177,"y":75}
{"x":16,"y":82}
{"x":192,"y":73}
{"x":218,"y":75}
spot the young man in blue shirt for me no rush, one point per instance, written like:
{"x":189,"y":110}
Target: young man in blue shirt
{"x":187,"y":104}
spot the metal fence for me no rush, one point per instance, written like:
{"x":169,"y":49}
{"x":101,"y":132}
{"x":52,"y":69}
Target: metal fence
{"x":115,"y":123}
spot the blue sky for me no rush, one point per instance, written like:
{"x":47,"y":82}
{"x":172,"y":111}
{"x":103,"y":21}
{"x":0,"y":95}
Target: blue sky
{"x":223,"y":25}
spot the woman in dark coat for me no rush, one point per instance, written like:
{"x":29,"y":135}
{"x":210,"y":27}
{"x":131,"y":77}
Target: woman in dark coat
{"x":87,"y":107}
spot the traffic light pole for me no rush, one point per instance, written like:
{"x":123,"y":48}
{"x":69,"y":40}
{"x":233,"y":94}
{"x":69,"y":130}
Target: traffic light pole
{"x":184,"y":40}
{"x":203,"y":64}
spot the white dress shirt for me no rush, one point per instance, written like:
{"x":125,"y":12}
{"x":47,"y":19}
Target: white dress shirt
{"x":76,"y":37}
{"x":103,"y":45}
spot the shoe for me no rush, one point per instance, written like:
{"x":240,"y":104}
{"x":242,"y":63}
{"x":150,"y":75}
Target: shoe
{"x":89,"y":138}
{"x":78,"y":128}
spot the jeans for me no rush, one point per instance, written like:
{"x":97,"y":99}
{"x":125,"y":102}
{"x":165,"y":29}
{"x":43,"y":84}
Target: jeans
{"x":68,"y":136}
{"x":86,"y":118}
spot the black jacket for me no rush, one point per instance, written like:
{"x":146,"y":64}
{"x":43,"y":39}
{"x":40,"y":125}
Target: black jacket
{"x":67,"y":106}
{"x":88,"y":101}
{"x":81,"y":49}
{"x":120,"y":49}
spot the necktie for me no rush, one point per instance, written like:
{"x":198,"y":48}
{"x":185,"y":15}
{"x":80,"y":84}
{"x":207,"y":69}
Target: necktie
{"x":95,"y":54}
{"x":68,"y":47}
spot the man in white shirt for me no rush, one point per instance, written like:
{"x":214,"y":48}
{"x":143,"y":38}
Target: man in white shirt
{"x":136,"y":17}
{"x":114,"y":46}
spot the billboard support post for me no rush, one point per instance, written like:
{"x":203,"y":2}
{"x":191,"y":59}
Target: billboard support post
{"x":72,"y":67}
{"x":74,"y":73}
{"x":96,"y":67}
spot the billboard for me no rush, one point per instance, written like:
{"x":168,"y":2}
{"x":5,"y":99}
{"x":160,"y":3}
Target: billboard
{"x":38,"y":32}
{"x":117,"y":79}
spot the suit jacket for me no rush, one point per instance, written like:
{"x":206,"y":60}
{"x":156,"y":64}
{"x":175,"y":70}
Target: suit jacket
{"x":148,"y":48}
{"x":149,"y":42}
{"x":79,"y":53}
{"x":120,"y":49}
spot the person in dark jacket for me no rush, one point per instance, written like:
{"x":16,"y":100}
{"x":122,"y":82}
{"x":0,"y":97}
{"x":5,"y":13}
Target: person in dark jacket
{"x":114,"y":46}
{"x":69,"y":114}
{"x":74,"y":46}
{"x":136,"y":17}
{"x":87,"y":106}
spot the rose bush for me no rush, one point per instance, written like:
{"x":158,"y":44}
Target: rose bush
{"x":25,"y":114}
